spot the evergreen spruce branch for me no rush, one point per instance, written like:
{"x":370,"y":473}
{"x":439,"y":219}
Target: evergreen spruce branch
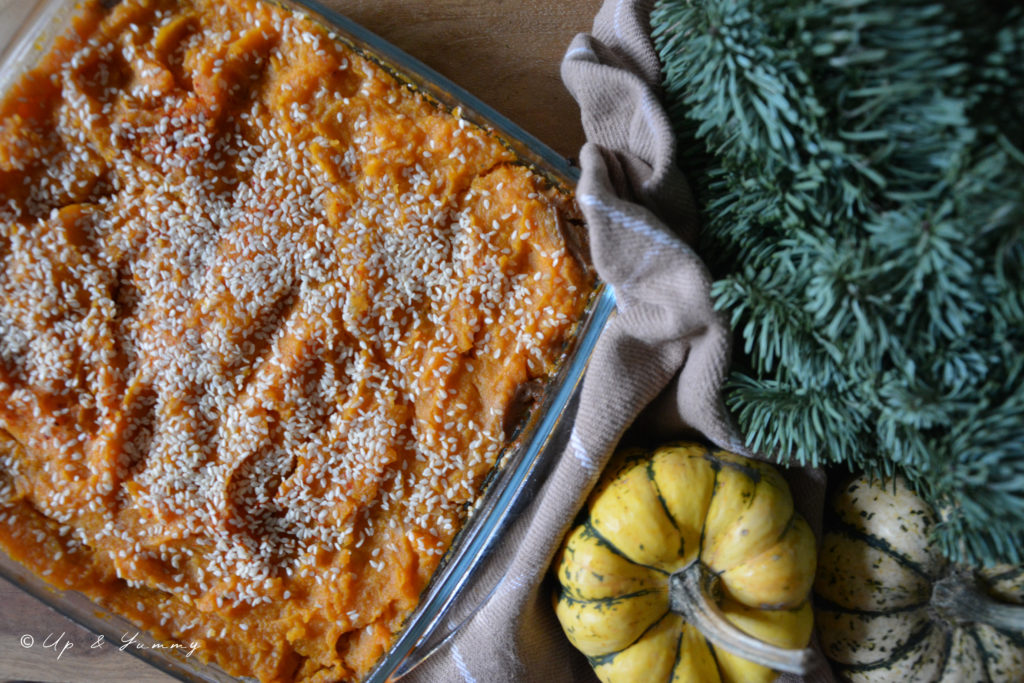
{"x":987,"y":473}
{"x":937,"y":299}
{"x":994,"y":36}
{"x":911,"y":402}
{"x":994,"y":543}
{"x":743,"y":93}
{"x":863,"y":210}
{"x":899,"y":96}
{"x":850,"y":297}
{"x":729,"y":61}
{"x":960,"y":368}
{"x":1007,"y":287}
{"x":815,"y":422}
{"x":944,"y":278}
{"x":846,"y":295}
{"x":988,"y":195}
{"x":909,"y":446}
{"x":777,"y":330}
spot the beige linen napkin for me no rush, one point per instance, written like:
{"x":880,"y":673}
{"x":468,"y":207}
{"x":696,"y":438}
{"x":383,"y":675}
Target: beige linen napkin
{"x":665,"y":352}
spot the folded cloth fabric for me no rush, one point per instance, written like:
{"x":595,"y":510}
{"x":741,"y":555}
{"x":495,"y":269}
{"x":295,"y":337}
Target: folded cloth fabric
{"x":665,"y":351}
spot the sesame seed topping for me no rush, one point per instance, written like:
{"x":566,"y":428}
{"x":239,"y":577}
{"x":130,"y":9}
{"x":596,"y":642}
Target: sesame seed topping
{"x":264,"y":314}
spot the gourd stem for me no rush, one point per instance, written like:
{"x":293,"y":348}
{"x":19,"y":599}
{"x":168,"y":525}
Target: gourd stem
{"x":958,"y":597}
{"x":689,"y":592}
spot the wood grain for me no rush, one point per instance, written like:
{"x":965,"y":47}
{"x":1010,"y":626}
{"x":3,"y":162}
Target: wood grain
{"x":507,"y":53}
{"x":38,"y":644}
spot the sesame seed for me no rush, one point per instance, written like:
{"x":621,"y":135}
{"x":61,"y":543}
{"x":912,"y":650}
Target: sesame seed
{"x":259,"y":340}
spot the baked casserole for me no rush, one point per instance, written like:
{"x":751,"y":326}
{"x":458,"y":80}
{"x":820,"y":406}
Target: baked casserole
{"x":266,"y":315}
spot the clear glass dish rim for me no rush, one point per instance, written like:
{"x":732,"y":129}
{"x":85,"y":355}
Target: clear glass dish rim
{"x":511,"y":479}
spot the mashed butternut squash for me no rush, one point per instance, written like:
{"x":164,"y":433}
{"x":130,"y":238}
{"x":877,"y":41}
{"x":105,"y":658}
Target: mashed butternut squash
{"x":264,"y":312}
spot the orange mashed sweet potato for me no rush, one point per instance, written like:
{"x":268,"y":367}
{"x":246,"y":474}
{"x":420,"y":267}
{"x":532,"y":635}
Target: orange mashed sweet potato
{"x":264,"y":314}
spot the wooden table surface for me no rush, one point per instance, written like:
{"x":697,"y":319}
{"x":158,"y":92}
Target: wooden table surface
{"x":507,"y":53}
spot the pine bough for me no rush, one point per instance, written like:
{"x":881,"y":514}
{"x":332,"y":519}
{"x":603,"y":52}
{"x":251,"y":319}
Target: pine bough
{"x":860,"y":168}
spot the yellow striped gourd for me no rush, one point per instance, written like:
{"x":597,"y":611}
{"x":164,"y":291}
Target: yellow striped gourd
{"x":688,"y":564}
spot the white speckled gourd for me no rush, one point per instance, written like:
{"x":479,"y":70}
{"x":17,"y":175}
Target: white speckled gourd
{"x":890,"y":607}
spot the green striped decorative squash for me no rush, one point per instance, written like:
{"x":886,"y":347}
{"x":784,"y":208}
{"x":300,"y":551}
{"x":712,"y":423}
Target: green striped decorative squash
{"x":689,"y":564}
{"x":889,"y":607}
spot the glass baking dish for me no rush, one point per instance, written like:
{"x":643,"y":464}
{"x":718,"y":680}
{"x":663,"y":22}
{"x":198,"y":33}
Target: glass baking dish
{"x":27,"y":32}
